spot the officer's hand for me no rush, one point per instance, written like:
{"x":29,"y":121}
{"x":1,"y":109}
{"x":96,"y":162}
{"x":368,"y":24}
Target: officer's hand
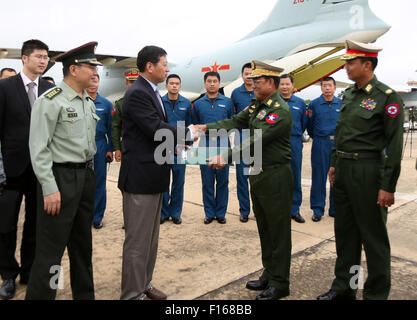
{"x":118,"y":155}
{"x":109,"y":155}
{"x":385,"y":199}
{"x":216,"y":162}
{"x":52,"y":203}
{"x":332,"y":175}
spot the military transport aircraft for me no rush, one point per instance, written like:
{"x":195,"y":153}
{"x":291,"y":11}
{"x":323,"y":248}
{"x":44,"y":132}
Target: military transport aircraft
{"x":301,"y":36}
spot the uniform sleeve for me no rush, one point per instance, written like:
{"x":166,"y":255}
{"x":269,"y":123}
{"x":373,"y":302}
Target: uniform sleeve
{"x":269,"y":133}
{"x":304,"y":118}
{"x":310,"y":119}
{"x":231,"y":109}
{"x":116,"y":127}
{"x":2,"y":174}
{"x":43,"y":121}
{"x":194,"y":114}
{"x":2,"y":107}
{"x":188,"y":119}
{"x":108,"y":127}
{"x":393,"y":125}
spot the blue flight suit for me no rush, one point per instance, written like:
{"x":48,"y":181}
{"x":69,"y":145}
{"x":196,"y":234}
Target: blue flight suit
{"x":300,"y":119}
{"x":104,"y":110}
{"x":172,"y":203}
{"x":321,"y":127}
{"x":241,"y":98}
{"x":204,"y":111}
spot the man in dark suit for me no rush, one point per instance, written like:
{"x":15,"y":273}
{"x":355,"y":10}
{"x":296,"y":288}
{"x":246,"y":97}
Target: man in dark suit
{"x":143,"y":177}
{"x":17,"y":95}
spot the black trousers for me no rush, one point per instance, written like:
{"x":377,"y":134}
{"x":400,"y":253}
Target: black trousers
{"x":25,"y":185}
{"x":70,"y":229}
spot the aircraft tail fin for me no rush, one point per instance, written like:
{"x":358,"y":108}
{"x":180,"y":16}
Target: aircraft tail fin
{"x":288,"y":13}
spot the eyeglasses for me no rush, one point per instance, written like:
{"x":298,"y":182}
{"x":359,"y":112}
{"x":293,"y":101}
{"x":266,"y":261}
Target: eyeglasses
{"x":41,"y":57}
{"x":258,"y":81}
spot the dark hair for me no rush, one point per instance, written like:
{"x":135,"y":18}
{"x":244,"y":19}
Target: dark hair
{"x":7,"y":69}
{"x":211,"y":74}
{"x":173,"y":76}
{"x":287,"y":76}
{"x":48,"y":79}
{"x":327,"y":79}
{"x":65,"y":68}
{"x":373,"y":60}
{"x":149,"y":54}
{"x":276,"y":80}
{"x":246,"y":65}
{"x":32,"y":45}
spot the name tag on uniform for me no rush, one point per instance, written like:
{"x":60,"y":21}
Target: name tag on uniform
{"x":182,"y":109}
{"x":337,"y":110}
{"x":296,"y":108}
{"x":72,"y":115}
{"x":100,"y":109}
{"x":222,"y":106}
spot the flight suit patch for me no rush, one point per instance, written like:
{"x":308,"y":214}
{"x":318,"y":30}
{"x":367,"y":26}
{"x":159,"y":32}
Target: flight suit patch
{"x":72,"y":115}
{"x":368,"y":104}
{"x":261,"y":115}
{"x":393,"y":110}
{"x":272,"y":118}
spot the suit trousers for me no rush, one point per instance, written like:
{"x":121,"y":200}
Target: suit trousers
{"x":142,"y":214}
{"x":25,"y":185}
{"x":70,"y":229}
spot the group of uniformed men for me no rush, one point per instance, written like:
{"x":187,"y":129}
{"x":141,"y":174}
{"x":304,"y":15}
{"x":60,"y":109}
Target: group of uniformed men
{"x":72,"y":131}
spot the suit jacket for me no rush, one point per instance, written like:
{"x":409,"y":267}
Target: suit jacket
{"x":15,"y":113}
{"x":142,"y":117}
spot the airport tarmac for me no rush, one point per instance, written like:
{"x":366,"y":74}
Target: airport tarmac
{"x":213,"y":262}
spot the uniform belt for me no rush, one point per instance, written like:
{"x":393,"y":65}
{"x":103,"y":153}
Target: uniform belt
{"x":357,"y":156}
{"x":273,"y":166}
{"x":70,"y":165}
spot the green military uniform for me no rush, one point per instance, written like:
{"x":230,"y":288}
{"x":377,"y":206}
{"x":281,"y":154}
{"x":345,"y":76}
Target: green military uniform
{"x":116,"y":126}
{"x":271,"y":190}
{"x":371,"y":121}
{"x":62,"y":146}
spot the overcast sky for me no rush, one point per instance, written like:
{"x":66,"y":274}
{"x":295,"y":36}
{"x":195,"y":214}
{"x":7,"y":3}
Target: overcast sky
{"x":185,"y":28}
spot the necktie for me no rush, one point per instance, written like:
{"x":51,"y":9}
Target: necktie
{"x":31,"y":93}
{"x":160,"y":100}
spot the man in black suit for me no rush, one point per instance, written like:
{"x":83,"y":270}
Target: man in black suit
{"x":142,"y":180}
{"x":17,"y":95}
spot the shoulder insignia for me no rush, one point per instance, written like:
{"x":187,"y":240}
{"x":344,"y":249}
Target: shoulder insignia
{"x":250,"y":111}
{"x":277,"y":105}
{"x":269,"y":102}
{"x":389,"y":91}
{"x":368,"y":88}
{"x":272,"y":118}
{"x":393,"y":110}
{"x":53,"y":93}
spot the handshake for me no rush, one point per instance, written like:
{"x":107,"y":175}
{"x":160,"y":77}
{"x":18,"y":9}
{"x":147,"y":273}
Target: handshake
{"x":197,"y":130}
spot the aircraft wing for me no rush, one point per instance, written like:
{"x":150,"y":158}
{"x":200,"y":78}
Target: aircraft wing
{"x":307,"y":66}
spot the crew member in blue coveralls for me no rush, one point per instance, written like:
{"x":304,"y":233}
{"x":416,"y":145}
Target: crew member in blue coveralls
{"x":104,"y":153}
{"x":213,"y":107}
{"x":241,"y":98}
{"x":299,"y":118}
{"x":178,"y":110}
{"x":322,"y":118}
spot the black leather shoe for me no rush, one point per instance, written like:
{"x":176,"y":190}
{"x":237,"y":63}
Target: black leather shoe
{"x":8,"y":289}
{"x":163,"y":220}
{"x":272,"y":293}
{"x":221,"y":220}
{"x":98,"y":225}
{"x":333,"y":295}
{"x":298,"y":218}
{"x":208,"y":220}
{"x":257,"y":285}
{"x":316,"y":218}
{"x":244,"y":218}
{"x":177,"y":220}
{"x":331,"y":215}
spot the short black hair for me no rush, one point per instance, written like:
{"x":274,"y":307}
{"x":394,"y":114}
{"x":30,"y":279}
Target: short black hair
{"x":287,"y":76}
{"x":327,"y":79}
{"x":48,"y":79}
{"x":246,"y":65}
{"x":149,"y":54}
{"x":32,"y":45}
{"x":276,"y":80}
{"x":373,"y":60}
{"x":173,"y":76}
{"x":7,"y":69}
{"x":211,"y":74}
{"x":65,"y":68}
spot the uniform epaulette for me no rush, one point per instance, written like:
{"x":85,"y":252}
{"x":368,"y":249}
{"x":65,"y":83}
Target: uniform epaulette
{"x":384,"y":88}
{"x":53,"y":93}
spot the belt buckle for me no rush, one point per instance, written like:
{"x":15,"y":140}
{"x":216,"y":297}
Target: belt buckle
{"x":341,"y":154}
{"x":89,"y":164}
{"x":356,"y":156}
